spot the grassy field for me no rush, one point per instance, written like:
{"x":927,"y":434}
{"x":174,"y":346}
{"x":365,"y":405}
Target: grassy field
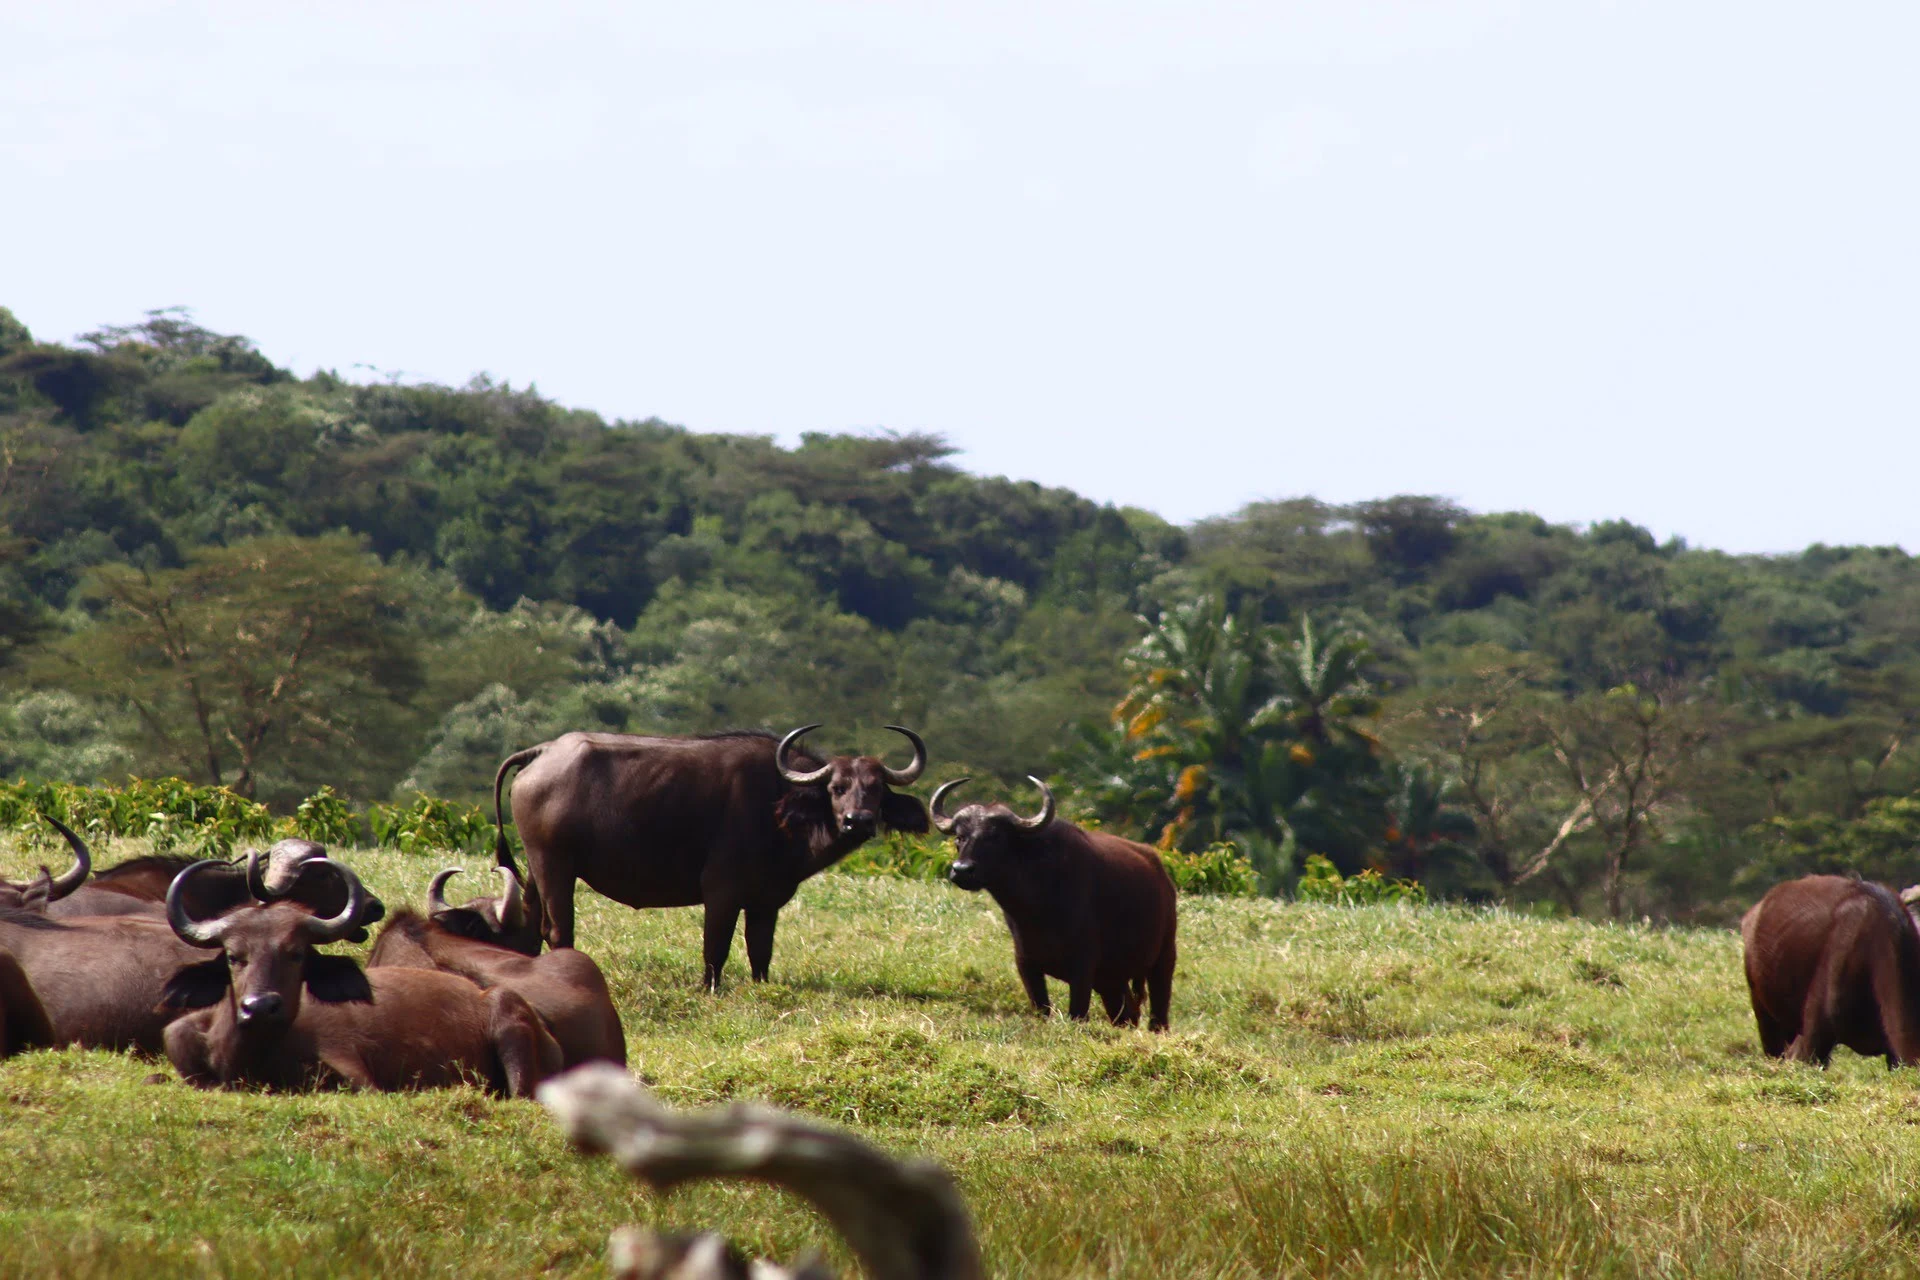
{"x":1347,"y":1091}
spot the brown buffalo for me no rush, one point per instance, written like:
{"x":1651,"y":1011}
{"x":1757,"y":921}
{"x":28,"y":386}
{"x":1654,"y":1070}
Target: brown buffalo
{"x":1830,"y":961}
{"x":734,"y":820}
{"x":46,"y":889}
{"x":139,"y":886}
{"x":1092,"y":909}
{"x":564,"y":986}
{"x":388,"y":1029}
{"x":23,"y":1020}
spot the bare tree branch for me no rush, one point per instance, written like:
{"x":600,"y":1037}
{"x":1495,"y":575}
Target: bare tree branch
{"x":903,"y":1220}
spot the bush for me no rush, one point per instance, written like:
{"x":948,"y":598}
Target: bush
{"x":326,"y":818}
{"x":168,"y":811}
{"x":1322,"y":883}
{"x":1219,"y":869}
{"x":428,"y":824}
{"x":911,"y":857}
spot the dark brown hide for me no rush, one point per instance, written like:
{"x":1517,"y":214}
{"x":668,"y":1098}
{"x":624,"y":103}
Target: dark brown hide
{"x":1091,"y":909}
{"x":676,"y":822}
{"x":99,"y":979}
{"x":390,"y":1029}
{"x":563,"y":986}
{"x":23,"y":1021}
{"x":291,"y":871}
{"x":1833,"y":961}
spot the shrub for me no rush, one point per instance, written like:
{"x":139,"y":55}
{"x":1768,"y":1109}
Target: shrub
{"x":1320,"y":882}
{"x":911,"y":857}
{"x":427,"y":824}
{"x":1219,"y":869}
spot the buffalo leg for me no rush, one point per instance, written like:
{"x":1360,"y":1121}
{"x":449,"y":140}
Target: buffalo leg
{"x":556,"y":909}
{"x":1160,"y":988}
{"x":760,"y":923}
{"x":1079,"y":999}
{"x":23,"y":1020}
{"x":1034,"y":979}
{"x":1773,"y":1036}
{"x":528,"y":1053}
{"x":187,"y":1049}
{"x":1122,"y":1009}
{"x":719,"y":941}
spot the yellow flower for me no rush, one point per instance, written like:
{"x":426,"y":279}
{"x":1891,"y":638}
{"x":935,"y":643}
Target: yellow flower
{"x":1300,"y":753}
{"x":1192,"y":778}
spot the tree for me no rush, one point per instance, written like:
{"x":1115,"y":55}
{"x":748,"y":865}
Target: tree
{"x":282,"y":657}
{"x":1626,"y":756}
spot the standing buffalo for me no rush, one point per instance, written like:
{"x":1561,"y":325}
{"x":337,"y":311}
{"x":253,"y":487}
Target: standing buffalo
{"x":1833,"y":961}
{"x":732,"y":820}
{"x":1086,"y":907}
{"x":564,"y":986}
{"x":388,"y":1029}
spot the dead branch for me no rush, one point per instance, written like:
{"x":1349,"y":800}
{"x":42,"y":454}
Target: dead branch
{"x":903,"y":1220}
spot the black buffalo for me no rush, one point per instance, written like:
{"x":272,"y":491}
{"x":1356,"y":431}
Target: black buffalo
{"x":734,"y":821}
{"x":1830,"y":961}
{"x":1091,"y":909}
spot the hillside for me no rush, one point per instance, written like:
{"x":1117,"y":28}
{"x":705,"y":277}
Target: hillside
{"x":213,"y":568}
{"x":1346,"y":1091}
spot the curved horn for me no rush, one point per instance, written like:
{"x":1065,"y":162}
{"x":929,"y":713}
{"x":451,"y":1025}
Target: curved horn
{"x":908,"y":776}
{"x":437,"y":891}
{"x":1039,"y":820}
{"x":780,"y":760}
{"x":513,"y":907}
{"x":257,"y":877}
{"x":82,"y":862}
{"x":201,"y":933}
{"x":941,"y":820}
{"x":320,"y":929}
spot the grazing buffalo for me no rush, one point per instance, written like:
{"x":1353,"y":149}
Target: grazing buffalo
{"x":564,"y":986}
{"x":733,"y":820}
{"x":1832,"y":960}
{"x":388,"y":1029}
{"x":1091,"y":909}
{"x":23,"y":1019}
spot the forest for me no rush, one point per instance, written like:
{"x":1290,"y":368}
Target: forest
{"x":214,"y":569}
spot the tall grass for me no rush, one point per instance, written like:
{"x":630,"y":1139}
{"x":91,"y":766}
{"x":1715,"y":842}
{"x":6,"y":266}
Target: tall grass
{"x":1347,"y":1091}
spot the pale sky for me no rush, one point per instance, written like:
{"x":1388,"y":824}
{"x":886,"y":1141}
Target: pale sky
{"x":1651,"y":260}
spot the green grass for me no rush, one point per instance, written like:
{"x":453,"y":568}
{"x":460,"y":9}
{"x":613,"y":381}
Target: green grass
{"x":1347,"y":1091}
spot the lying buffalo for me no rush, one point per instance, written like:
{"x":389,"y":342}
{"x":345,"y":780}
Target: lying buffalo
{"x":23,"y":1019}
{"x":564,"y":986}
{"x":1832,"y":960}
{"x":388,"y":1029}
{"x":732,"y":820}
{"x":1092,"y":909}
{"x":289,"y":870}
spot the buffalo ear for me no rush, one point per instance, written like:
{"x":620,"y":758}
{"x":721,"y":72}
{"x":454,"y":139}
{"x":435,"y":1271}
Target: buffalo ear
{"x":196,"y":986}
{"x":337,"y":980}
{"x":904,"y":813}
{"x":802,"y":810}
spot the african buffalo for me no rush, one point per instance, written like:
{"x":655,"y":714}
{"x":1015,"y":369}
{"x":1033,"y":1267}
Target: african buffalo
{"x":139,"y":886}
{"x":1086,"y":907}
{"x":41,"y":892}
{"x":732,"y":820}
{"x":564,"y":986}
{"x":1832,"y":960}
{"x":388,"y":1029}
{"x":23,"y":1020}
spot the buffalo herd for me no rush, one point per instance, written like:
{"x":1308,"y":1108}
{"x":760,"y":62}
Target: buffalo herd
{"x":221,"y":966}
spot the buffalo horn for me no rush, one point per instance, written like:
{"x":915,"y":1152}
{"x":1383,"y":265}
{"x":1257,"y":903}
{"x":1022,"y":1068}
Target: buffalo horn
{"x":513,"y":907}
{"x":201,"y":933}
{"x":780,"y":760}
{"x":1039,"y":820}
{"x":257,"y":877}
{"x":331,"y":929}
{"x":941,"y":820}
{"x":907,"y":776}
{"x":437,"y":891}
{"x":82,"y":862}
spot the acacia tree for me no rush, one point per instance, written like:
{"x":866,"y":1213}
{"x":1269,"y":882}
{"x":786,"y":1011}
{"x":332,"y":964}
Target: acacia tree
{"x":283,"y":654}
{"x":1627,"y":757}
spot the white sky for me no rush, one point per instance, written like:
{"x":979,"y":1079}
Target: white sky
{"x":1653,"y":260}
